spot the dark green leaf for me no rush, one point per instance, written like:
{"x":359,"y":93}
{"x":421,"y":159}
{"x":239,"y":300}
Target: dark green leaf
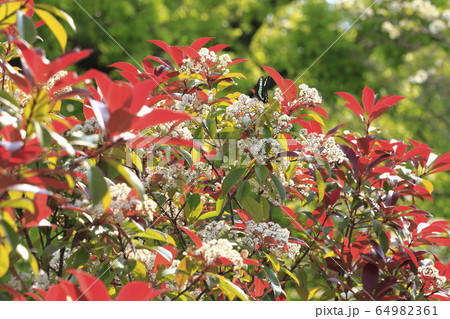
{"x":280,"y":188}
{"x":232,"y":179}
{"x":97,"y":185}
{"x":274,"y":281}
{"x":11,"y":235}
{"x":254,"y":208}
{"x":26,"y":27}
{"x":243,"y":190}
{"x":47,"y":255}
{"x":262,"y":172}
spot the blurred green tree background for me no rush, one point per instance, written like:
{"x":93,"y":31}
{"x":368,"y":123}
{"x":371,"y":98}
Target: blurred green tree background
{"x":393,"y":46}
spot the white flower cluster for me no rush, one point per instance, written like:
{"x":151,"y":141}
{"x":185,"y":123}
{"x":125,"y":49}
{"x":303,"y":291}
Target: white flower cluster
{"x":166,"y":130}
{"x":261,"y":149}
{"x":392,"y":30}
{"x":88,"y":127}
{"x":258,"y":234}
{"x":54,"y":262}
{"x":318,"y":145}
{"x":121,"y":204}
{"x":420,"y":77}
{"x":213,"y":230}
{"x":52,"y":81}
{"x":306,"y":96}
{"x":169,"y":177}
{"x":311,"y":95}
{"x":207,"y":61}
{"x":217,"y":248}
{"x":190,"y":103}
{"x":23,"y":98}
{"x":437,"y":26}
{"x":243,"y":110}
{"x":422,"y":7}
{"x":438,"y":22}
{"x":41,"y":282}
{"x":428,"y":272}
{"x":280,"y":123}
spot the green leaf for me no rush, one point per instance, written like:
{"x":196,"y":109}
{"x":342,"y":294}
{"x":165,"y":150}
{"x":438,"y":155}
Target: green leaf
{"x":320,"y":185}
{"x":136,"y":160}
{"x":58,"y":12}
{"x":243,"y":190}
{"x":8,"y":101}
{"x":11,"y":234}
{"x":57,"y":29}
{"x":156,"y":235}
{"x":207,"y":215}
{"x":129,"y":176}
{"x":255,"y":209}
{"x":274,"y":281}
{"x":384,"y":241}
{"x":139,"y":272}
{"x":61,"y":142}
{"x":274,"y":261}
{"x":45,"y":139}
{"x":4,"y":260}
{"x":167,"y":254}
{"x":26,"y":27}
{"x":211,"y":126}
{"x":78,"y":258}
{"x":23,"y":203}
{"x":187,"y":267}
{"x":185,"y":154}
{"x":290,"y":274}
{"x":280,"y":188}
{"x":28,"y":257}
{"x":229,"y":289}
{"x":98,"y":187}
{"x":54,"y":246}
{"x":262,"y":172}
{"x":219,"y":203}
{"x":193,"y":207}
{"x":232,"y":179}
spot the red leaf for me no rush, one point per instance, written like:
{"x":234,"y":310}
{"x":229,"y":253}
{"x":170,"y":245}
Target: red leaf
{"x":335,"y":196}
{"x":279,"y":80}
{"x":368,"y":98}
{"x":137,"y":291}
{"x":259,"y":287}
{"x":245,"y":216}
{"x":34,"y":296}
{"x":56,"y":293}
{"x":352,"y":104}
{"x":68,"y":59}
{"x":411,"y":256}
{"x":91,"y":287}
{"x":248,"y":261}
{"x":384,"y":286}
{"x":71,"y":290}
{"x":174,"y":52}
{"x":41,"y":211}
{"x":16,"y":295}
{"x":197,"y":241}
{"x":218,"y":47}
{"x":141,"y":92}
{"x":289,"y":212}
{"x":200,"y":42}
{"x":159,"y":116}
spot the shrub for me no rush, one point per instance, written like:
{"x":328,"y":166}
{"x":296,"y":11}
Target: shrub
{"x":173,"y":185}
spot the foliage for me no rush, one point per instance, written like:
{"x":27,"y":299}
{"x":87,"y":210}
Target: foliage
{"x":171,"y":184}
{"x":393,"y":45}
